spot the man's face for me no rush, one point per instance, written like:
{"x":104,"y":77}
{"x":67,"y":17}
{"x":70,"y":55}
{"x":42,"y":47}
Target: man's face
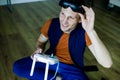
{"x":68,"y":19}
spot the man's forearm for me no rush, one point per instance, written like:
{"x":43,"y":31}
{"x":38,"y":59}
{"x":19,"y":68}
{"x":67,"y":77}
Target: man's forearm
{"x":99,"y":50}
{"x":41,"y":42}
{"x":40,"y":45}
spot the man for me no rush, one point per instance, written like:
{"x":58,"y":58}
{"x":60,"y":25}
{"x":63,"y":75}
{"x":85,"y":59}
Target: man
{"x":68,"y":36}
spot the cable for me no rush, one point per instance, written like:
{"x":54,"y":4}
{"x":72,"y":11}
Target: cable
{"x":55,"y":71}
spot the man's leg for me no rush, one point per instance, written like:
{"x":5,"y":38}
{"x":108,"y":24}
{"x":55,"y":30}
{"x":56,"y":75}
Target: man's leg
{"x":22,"y":68}
{"x":71,"y":72}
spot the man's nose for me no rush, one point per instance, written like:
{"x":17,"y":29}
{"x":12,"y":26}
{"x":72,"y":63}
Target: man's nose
{"x":65,"y":21}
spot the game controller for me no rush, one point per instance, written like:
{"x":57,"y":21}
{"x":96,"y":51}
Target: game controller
{"x":48,"y":59}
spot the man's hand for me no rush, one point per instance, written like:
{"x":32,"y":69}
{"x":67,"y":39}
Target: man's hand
{"x":87,"y":19}
{"x":37,"y":51}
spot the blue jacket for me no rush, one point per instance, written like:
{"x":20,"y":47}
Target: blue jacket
{"x":76,"y":42}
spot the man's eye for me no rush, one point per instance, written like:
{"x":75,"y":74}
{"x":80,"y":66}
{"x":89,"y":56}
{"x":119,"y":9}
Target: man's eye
{"x":71,"y":17}
{"x":62,"y":13}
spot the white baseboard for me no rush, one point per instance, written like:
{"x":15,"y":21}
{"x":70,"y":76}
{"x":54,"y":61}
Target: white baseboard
{"x":4,"y":2}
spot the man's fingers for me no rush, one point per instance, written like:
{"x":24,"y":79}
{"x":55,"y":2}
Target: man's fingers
{"x":36,"y":52}
{"x":39,"y":50}
{"x":85,"y":8}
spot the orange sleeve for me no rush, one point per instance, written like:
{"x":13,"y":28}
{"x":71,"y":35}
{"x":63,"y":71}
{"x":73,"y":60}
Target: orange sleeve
{"x":45,"y":28}
{"x":88,"y":42}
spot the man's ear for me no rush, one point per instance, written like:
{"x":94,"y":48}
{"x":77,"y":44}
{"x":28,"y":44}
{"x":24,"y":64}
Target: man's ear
{"x":79,"y":20}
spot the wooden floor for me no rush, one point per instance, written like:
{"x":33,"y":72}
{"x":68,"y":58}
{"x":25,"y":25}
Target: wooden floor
{"x":19,"y":31}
